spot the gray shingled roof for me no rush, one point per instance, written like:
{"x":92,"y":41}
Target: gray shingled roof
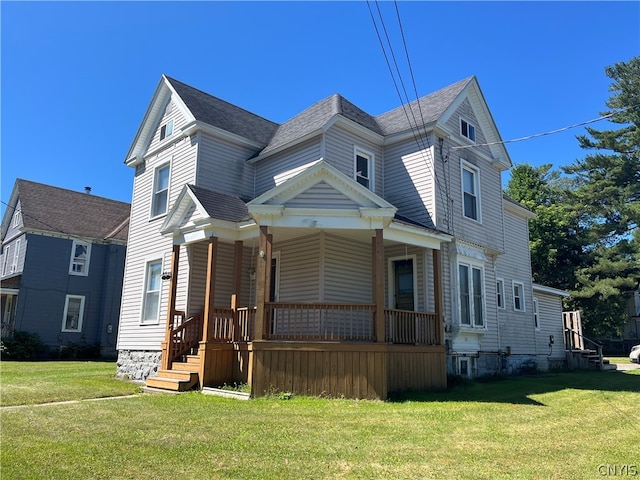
{"x":221,"y":206}
{"x":55,"y":209}
{"x":224,"y":115}
{"x":426,"y":109}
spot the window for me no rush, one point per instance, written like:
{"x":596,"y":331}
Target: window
{"x":470,"y":193}
{"x":5,"y":266}
{"x":73,"y":313}
{"x":536,"y":320}
{"x":80,"y":253}
{"x":471,"y":295}
{"x":17,"y":218}
{"x":160,"y":191}
{"x":518,"y":296}
{"x":467,"y":130}
{"x":16,"y":256}
{"x":153,"y":283}
{"x":363,"y":168}
{"x":166,"y":130}
{"x":500,"y":293}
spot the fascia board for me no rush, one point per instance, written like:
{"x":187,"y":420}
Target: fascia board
{"x":550,"y":290}
{"x":415,"y":235}
{"x":409,"y":134}
{"x":9,"y":211}
{"x":518,"y":210}
{"x":354,"y":127}
{"x":198,"y":125}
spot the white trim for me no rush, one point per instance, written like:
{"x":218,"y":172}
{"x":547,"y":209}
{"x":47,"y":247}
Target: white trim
{"x":371,"y":162}
{"x":521,"y":296}
{"x":81,"y":313}
{"x":536,"y":314}
{"x":164,"y":163}
{"x":85,"y":270}
{"x":16,"y":255}
{"x":470,"y":167}
{"x":500,"y":281}
{"x":472,"y":264}
{"x":391,"y":279}
{"x":469,"y":125}
{"x":148,"y":261}
{"x":550,"y":290}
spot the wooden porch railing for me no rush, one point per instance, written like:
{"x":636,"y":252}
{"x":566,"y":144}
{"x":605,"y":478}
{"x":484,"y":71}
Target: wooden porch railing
{"x":186,"y":334}
{"x":408,"y":327}
{"x":305,"y":322}
{"x":319,"y":322}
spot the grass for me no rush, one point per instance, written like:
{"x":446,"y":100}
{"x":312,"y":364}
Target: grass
{"x":618,"y":360}
{"x":556,"y":425}
{"x":26,"y":383}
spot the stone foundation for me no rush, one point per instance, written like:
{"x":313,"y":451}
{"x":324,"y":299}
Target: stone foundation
{"x":138,"y":365}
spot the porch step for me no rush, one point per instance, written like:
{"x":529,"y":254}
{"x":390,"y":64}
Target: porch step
{"x":172,"y":384}
{"x":181,"y":377}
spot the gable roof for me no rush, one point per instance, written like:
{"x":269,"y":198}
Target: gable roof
{"x":224,"y":115}
{"x":425,"y":110}
{"x":58,"y":210}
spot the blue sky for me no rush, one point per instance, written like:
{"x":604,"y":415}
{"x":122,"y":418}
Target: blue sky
{"x":77,"y":77}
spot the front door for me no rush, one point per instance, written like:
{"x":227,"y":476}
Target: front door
{"x":403,"y":284}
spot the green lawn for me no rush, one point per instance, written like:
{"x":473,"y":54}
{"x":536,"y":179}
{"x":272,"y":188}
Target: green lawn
{"x":550,"y":426}
{"x":618,"y":360}
{"x":26,"y":383}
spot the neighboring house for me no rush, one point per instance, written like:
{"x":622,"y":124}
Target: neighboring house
{"x":62,"y":265}
{"x":337,"y":253}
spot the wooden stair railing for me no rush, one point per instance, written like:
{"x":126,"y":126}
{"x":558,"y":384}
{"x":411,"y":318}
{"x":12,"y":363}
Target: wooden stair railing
{"x":185,"y":336}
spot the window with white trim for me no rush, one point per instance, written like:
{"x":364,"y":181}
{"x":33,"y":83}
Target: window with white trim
{"x":536,"y":317}
{"x":73,"y":313}
{"x":166,"y":130}
{"x":518,"y":296}
{"x":152,"y":289}
{"x":500,"y":293}
{"x":6,"y":253}
{"x":471,"y":286}
{"x":80,"y":256}
{"x":160,"y":199}
{"x":363,"y":168}
{"x":17,"y":218}
{"x":470,"y":192}
{"x":467,"y":130}
{"x":16,"y":256}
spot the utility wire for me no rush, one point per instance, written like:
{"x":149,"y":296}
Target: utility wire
{"x":551,"y":132}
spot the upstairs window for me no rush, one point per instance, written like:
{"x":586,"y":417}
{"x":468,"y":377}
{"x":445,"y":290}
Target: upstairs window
{"x":363,"y":168}
{"x":16,"y":257}
{"x":160,"y":191}
{"x":471,"y":295}
{"x":518,"y":296}
{"x":73,"y":313}
{"x":166,"y":130}
{"x":80,"y":255}
{"x":17,"y":218}
{"x":470,"y":192}
{"x":536,"y":317}
{"x":467,"y":130}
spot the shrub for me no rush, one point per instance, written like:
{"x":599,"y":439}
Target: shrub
{"x":79,"y":351}
{"x":23,"y":346}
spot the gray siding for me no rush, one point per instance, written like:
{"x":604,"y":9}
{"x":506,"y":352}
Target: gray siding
{"x":322,"y":194}
{"x":550,"y":322}
{"x":347,"y":271}
{"x":299,"y":269}
{"x":411,"y":182}
{"x":223,"y":167}
{"x":339,"y":153}
{"x":275,"y":170}
{"x":171,"y":113}
{"x":145,"y":242}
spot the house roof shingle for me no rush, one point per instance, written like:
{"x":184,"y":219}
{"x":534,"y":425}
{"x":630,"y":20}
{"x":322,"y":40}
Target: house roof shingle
{"x":224,"y":115}
{"x":55,"y":209}
{"x":221,"y":206}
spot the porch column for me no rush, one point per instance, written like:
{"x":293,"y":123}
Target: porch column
{"x":378,"y":285}
{"x":237,"y":285}
{"x":262,"y":272}
{"x":171,"y":309}
{"x":437,"y":293}
{"x":209,"y":299}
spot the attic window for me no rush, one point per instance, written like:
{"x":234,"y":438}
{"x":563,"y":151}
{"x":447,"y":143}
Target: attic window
{"x":467,"y":130}
{"x":166,"y":130}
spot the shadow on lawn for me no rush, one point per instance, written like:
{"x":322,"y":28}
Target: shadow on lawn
{"x":518,"y":390}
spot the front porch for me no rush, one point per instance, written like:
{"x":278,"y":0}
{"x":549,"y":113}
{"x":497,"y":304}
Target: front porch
{"x":353,"y":350}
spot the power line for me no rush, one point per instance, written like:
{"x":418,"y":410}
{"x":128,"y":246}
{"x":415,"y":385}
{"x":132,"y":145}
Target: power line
{"x":551,"y":132}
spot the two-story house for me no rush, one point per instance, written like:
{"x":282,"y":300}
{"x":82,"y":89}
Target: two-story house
{"x":62,"y":265}
{"x":337,"y":253}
